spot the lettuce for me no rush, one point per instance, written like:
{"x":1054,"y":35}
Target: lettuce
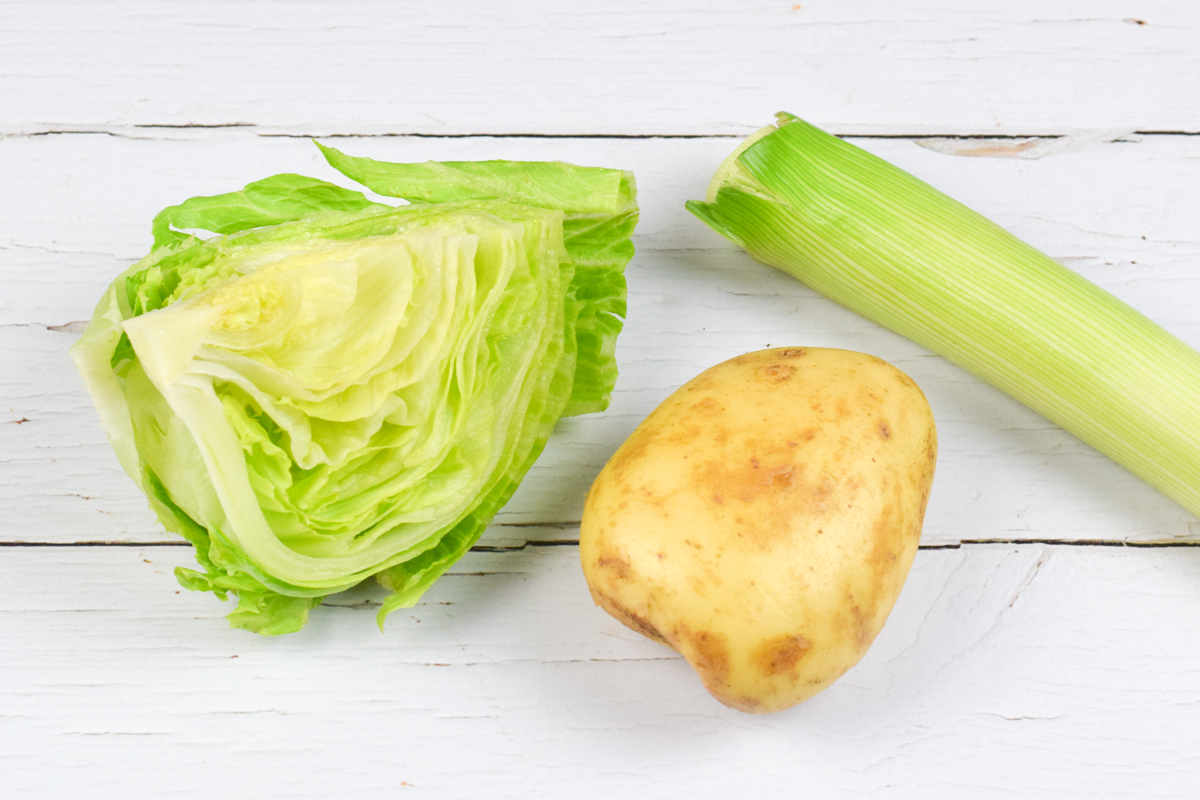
{"x":335,"y":389}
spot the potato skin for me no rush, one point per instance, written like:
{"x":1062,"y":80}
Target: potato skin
{"x":763,"y":519}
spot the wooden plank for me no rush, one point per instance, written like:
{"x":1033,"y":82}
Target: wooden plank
{"x":1119,"y":211}
{"x":626,"y":67}
{"x":694,"y":300}
{"x":1004,"y":671}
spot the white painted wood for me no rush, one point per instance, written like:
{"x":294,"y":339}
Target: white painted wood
{"x":90,"y":199}
{"x":1065,"y":672}
{"x":694,"y":301}
{"x":1015,"y":670}
{"x":627,"y":66}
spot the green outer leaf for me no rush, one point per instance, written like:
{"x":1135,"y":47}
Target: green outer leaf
{"x":600,"y":246}
{"x":270,"y":201}
{"x":892,"y":248}
{"x":545,"y":184}
{"x":601,"y":212}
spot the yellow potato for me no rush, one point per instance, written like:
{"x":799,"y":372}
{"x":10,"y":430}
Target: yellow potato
{"x":763,"y":519}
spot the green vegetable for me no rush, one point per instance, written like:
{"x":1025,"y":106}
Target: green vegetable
{"x":893,"y":249}
{"x":335,"y":388}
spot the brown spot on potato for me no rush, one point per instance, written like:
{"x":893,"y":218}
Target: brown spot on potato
{"x":751,"y":705}
{"x":711,"y":657}
{"x":777,"y":373}
{"x":863,"y":624}
{"x":782,"y":477}
{"x":887,"y":539}
{"x":628,"y":618}
{"x":780,"y":654}
{"x":702,"y":585}
{"x":821,"y":493}
{"x":707,"y":406}
{"x":684,"y":435}
{"x":618,"y":565}
{"x":792,"y":352}
{"x":884,"y":431}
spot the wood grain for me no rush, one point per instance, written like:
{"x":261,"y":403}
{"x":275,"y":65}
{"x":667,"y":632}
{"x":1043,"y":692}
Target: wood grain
{"x":622,"y":67}
{"x":1017,"y":670}
{"x":1003,"y":671}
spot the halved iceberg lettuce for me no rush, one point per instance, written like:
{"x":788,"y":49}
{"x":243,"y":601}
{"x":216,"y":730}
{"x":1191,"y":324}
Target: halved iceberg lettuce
{"x":334,"y":389}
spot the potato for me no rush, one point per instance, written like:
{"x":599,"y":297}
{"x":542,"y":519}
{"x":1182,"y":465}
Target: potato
{"x":763,"y":519}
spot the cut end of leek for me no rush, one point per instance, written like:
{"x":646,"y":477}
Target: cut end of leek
{"x":894,"y":249}
{"x":730,"y":171}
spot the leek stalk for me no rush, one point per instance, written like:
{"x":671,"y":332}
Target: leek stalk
{"x":892,"y":248}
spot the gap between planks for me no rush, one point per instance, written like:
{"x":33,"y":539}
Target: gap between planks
{"x":144,"y":131}
{"x":484,"y":548}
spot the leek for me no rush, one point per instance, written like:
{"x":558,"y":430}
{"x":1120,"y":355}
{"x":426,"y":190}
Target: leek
{"x":890,"y":247}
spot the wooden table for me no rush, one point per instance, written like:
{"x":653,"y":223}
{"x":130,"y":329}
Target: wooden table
{"x":1047,"y":643}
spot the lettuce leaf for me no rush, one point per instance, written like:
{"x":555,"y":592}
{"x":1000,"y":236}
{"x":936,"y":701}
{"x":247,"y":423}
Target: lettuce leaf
{"x":335,"y":389}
